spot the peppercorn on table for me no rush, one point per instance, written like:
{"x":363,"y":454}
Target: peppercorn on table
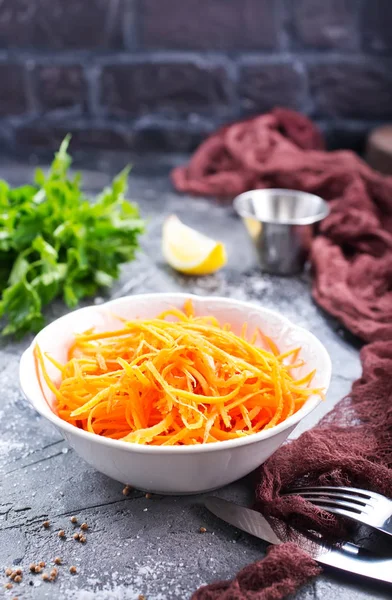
{"x":67,"y":531}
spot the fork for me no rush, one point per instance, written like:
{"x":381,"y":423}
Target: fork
{"x":359,"y":505}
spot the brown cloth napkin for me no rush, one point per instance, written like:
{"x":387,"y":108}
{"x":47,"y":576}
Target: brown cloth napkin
{"x":352,"y":280}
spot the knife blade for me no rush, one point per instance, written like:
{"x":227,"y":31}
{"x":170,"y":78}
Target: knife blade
{"x":346,"y":557}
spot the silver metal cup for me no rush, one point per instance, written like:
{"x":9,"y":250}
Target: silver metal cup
{"x":281,"y":224}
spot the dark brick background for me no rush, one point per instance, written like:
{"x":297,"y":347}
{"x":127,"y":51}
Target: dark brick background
{"x":161,"y":74}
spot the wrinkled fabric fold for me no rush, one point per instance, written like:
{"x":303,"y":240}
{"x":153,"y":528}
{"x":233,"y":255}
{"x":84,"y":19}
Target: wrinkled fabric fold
{"x":352,"y":280}
{"x":284,"y":569}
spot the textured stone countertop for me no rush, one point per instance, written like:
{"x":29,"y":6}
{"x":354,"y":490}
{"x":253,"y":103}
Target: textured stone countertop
{"x":137,"y":545}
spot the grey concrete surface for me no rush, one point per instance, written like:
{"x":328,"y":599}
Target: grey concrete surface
{"x":137,"y":545}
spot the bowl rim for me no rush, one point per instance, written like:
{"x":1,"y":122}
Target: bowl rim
{"x":41,"y":406}
{"x":310,"y":220}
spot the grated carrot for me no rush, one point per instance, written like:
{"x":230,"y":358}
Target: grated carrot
{"x":176,"y":379}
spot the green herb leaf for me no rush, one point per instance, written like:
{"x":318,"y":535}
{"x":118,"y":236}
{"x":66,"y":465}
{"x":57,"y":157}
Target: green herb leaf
{"x":57,"y":242}
{"x":22,"y":305}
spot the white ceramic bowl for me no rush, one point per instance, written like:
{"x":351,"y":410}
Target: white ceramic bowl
{"x":179,"y":469}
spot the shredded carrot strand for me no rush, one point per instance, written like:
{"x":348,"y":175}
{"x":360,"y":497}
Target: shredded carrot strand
{"x":177,"y":379}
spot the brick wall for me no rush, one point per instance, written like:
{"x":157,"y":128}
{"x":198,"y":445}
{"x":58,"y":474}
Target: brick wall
{"x":161,"y":74}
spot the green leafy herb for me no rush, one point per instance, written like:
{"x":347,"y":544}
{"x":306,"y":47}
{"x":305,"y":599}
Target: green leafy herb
{"x":55,"y":242}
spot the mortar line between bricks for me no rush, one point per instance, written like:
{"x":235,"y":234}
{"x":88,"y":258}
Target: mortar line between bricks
{"x":131,"y":25}
{"x":111,"y":16}
{"x":88,"y":57}
{"x":360,"y":24}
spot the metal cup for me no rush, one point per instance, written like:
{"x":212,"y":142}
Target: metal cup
{"x":281,"y":224}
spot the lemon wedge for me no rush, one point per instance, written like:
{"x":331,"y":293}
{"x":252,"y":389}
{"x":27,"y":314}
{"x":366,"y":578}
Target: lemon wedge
{"x":189,"y":251}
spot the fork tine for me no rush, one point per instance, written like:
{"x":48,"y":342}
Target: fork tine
{"x":337,"y":503}
{"x":344,"y":490}
{"x":343,"y":513}
{"x":316,"y":494}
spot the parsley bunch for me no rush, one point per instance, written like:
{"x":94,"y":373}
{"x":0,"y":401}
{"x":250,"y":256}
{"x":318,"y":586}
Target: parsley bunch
{"x":55,"y":242}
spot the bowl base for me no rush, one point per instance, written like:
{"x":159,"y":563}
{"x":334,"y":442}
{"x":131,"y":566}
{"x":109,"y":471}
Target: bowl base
{"x":194,"y":493}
